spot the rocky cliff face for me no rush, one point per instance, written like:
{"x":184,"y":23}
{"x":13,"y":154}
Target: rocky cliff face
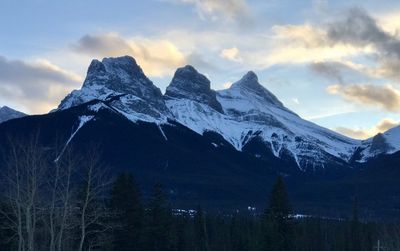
{"x":188,"y":83}
{"x":122,"y":83}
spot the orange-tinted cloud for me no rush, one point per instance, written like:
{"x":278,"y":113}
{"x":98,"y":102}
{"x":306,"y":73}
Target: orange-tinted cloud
{"x":157,"y":57}
{"x":361,"y":133}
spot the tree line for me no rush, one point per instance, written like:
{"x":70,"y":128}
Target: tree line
{"x":57,"y":199}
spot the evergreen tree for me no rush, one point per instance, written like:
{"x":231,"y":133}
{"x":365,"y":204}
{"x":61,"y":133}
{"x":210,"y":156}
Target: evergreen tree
{"x":200,"y":231}
{"x":278,"y":234}
{"x":159,"y":222}
{"x":355,"y":229}
{"x":239,"y":233}
{"x":181,"y":237}
{"x":128,"y":213}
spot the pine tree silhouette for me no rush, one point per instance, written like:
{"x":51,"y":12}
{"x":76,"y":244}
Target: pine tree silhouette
{"x":277,"y":226}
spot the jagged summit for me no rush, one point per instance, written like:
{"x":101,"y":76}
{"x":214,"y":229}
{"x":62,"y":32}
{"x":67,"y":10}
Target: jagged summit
{"x":124,"y":64}
{"x":244,"y":114}
{"x":119,"y":77}
{"x":188,"y":83}
{"x":121,"y":74}
{"x":96,"y":67}
{"x":250,"y":77}
{"x":187,"y":79}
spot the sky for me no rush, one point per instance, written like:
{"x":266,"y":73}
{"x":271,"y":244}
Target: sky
{"x":336,"y":63}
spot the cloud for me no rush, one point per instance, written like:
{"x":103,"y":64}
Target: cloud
{"x":355,"y":35}
{"x":284,"y":44}
{"x":352,"y":49}
{"x":361,"y":30}
{"x":227,"y":85}
{"x":386,"y":97}
{"x":107,"y":44}
{"x":358,"y":28}
{"x":354,"y":133}
{"x":296,"y":101}
{"x":37,"y":86}
{"x":330,"y":70}
{"x":157,"y":57}
{"x":390,"y":22}
{"x":342,"y":72}
{"x":200,"y":62}
{"x":386,"y":124}
{"x":361,"y":133}
{"x":302,"y":44}
{"x":231,"y":10}
{"x":231,"y":54}
{"x":346,"y":71}
{"x":305,"y":35}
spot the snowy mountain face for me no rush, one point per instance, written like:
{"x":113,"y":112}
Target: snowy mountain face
{"x":382,"y":143}
{"x":250,"y":111}
{"x":245,"y":112}
{"x":122,"y":83}
{"x":6,"y":113}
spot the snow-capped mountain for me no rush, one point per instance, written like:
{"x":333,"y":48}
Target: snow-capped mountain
{"x":6,"y":113}
{"x":283,"y":130}
{"x":223,"y":148}
{"x":122,"y":83}
{"x":382,"y":143}
{"x":244,"y":113}
{"x":250,"y":111}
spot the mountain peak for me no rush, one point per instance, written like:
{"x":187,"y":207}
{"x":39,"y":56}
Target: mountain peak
{"x":188,"y":83}
{"x":123,"y":70}
{"x":126,"y":63}
{"x":196,"y":79}
{"x":188,"y":69}
{"x":96,"y":67}
{"x":120,"y":74}
{"x":115,"y":77}
{"x":7,"y":113}
{"x":250,"y":76}
{"x":249,"y":80}
{"x":122,"y":60}
{"x":8,"y":109}
{"x":110,"y":64}
{"x":249,"y":83}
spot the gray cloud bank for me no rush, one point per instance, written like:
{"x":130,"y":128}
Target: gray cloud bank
{"x":360,"y":29}
{"x":37,"y":86}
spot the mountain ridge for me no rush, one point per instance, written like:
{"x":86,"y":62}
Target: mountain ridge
{"x":222,"y":160}
{"x":205,"y":168}
{"x":245,"y":112}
